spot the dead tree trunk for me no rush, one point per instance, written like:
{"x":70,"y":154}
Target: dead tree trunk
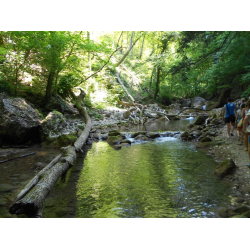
{"x":30,"y":200}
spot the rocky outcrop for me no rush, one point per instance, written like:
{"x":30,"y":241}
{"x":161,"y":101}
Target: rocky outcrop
{"x":198,"y":102}
{"x":57,"y":103}
{"x":19,"y":122}
{"x":57,"y":131}
{"x":200,"y":120}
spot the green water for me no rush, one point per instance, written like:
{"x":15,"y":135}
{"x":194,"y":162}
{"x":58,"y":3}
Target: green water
{"x":159,"y":179}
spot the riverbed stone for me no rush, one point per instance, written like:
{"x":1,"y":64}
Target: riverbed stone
{"x":135,"y":134}
{"x":153,"y":135}
{"x":247,"y":214}
{"x":19,"y":122}
{"x":241,"y":209}
{"x":113,"y":140}
{"x":200,"y":120}
{"x":114,"y":133}
{"x":239,"y":216}
{"x":126,"y":114}
{"x":142,"y":138}
{"x":126,"y":141}
{"x":225,"y":167}
{"x":185,"y":135}
{"x":205,"y":139}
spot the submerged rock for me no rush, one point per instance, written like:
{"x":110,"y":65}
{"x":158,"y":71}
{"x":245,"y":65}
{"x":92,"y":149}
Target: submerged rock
{"x":19,"y":122}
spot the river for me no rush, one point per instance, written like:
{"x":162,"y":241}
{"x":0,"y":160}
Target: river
{"x":164,"y":178}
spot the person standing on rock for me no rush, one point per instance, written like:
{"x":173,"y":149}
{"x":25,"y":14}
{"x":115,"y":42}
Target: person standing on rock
{"x":246,"y":130}
{"x":243,"y":115}
{"x":239,"y":123}
{"x":228,"y":115}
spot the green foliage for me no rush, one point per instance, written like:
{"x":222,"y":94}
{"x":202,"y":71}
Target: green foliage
{"x":66,"y":84}
{"x":5,"y":87}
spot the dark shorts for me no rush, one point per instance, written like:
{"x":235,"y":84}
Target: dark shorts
{"x":228,"y":119}
{"x":248,"y":138}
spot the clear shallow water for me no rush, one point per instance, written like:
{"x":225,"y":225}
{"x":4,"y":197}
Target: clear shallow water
{"x":162,"y":178}
{"x":158,"y":179}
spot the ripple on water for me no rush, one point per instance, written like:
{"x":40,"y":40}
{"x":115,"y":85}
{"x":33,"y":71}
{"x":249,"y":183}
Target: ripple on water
{"x":154,"y":179}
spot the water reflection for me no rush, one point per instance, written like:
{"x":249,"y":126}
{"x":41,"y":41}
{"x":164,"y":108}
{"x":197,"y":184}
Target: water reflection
{"x":158,"y":126}
{"x":164,"y":178}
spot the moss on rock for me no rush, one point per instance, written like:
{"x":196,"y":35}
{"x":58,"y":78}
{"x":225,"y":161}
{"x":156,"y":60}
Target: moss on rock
{"x":225,"y":167}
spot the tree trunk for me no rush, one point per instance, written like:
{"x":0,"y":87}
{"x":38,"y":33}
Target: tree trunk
{"x":49,"y":86}
{"x":30,"y":200}
{"x":129,"y":49}
{"x":157,"y":82}
{"x":120,"y":81}
{"x":142,"y":46}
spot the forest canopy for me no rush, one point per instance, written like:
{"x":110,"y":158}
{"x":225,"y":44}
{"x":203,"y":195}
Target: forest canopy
{"x":155,"y":66}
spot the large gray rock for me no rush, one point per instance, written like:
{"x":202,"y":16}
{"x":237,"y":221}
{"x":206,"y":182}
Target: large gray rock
{"x":198,"y":102}
{"x":19,"y":122}
{"x":217,"y":113}
{"x":57,"y":131}
{"x":200,"y":120}
{"x":57,"y":103}
{"x":186,"y":102}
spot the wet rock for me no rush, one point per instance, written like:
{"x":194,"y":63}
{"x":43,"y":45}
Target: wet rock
{"x":246,"y":214}
{"x":134,"y":134}
{"x":114,"y":133}
{"x":205,"y":139}
{"x":223,"y":212}
{"x":184,"y":135}
{"x":153,"y":135}
{"x":117,"y":147}
{"x":225,"y":167}
{"x":126,"y":141}
{"x":142,"y":138}
{"x":113,"y":140}
{"x":239,"y":216}
{"x":19,"y":122}
{"x":241,"y":209}
{"x":200,"y":120}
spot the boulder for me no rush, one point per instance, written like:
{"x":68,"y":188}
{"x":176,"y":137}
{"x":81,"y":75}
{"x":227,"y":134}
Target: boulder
{"x":215,"y":113}
{"x":57,"y":103}
{"x":153,"y":135}
{"x":198,"y":102}
{"x":19,"y":122}
{"x":142,"y":138}
{"x":113,"y":140}
{"x":184,"y":135}
{"x":241,"y":209}
{"x":200,"y":120}
{"x":57,"y":131}
{"x":134,"y":134}
{"x":205,"y":139}
{"x":225,"y":167}
{"x":186,"y":103}
{"x":126,"y":114}
{"x":114,"y":133}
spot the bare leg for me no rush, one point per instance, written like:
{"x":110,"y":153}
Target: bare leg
{"x":228,"y":130}
{"x":246,"y":140}
{"x":232,"y":126}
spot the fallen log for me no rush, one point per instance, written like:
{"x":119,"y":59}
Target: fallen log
{"x":17,"y":157}
{"x":30,"y":200}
